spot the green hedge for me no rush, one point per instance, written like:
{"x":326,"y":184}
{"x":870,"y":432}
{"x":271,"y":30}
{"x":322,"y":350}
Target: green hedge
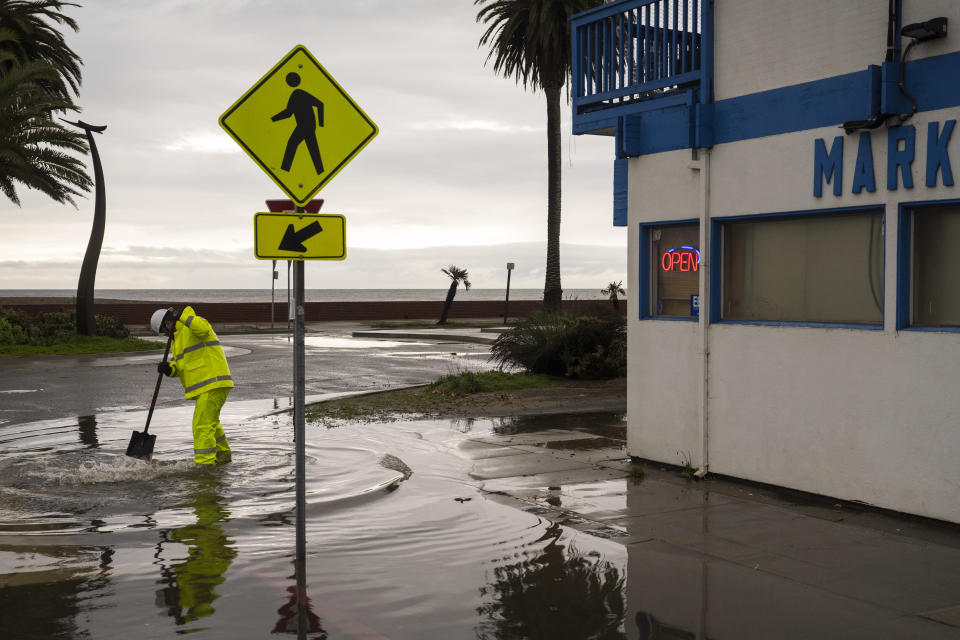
{"x":51,"y":327}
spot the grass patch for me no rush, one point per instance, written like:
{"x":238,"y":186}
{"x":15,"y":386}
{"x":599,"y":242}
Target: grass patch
{"x":81,"y":344}
{"x":427,"y":324}
{"x":472,"y":382}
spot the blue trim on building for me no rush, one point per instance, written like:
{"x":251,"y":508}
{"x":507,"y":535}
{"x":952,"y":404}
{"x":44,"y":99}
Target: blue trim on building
{"x":935,"y":82}
{"x":905,"y":264}
{"x":933,"y":329}
{"x":715,"y":235}
{"x":860,"y":208}
{"x":904,"y":267}
{"x":716,"y":260}
{"x":643,"y":269}
{"x":809,"y":325}
{"x":809,"y":105}
{"x":643,"y":272}
{"x":621,"y":180}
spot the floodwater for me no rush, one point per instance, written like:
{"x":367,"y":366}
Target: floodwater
{"x":401,"y":540}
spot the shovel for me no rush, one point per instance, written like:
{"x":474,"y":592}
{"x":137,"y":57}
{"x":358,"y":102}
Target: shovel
{"x":141,"y":444}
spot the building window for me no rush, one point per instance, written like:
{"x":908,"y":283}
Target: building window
{"x":810,"y":268}
{"x":934,"y":264}
{"x":674,"y":251}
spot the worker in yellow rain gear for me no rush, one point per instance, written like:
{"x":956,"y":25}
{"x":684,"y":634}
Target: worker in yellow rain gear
{"x":197,"y":358}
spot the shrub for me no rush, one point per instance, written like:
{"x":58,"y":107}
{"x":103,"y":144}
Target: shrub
{"x":16,"y":318}
{"x":53,"y":327}
{"x":11,"y":333}
{"x":21,"y":327}
{"x":111,"y":327}
{"x":589,"y":344}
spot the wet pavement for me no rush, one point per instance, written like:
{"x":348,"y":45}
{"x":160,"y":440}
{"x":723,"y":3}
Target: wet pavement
{"x":519,"y":527}
{"x":717,"y":558}
{"x":37,"y":388}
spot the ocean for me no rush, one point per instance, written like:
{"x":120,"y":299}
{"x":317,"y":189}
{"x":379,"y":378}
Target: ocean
{"x":311,"y":295}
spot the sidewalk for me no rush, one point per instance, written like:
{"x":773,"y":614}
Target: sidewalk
{"x":700,"y":549}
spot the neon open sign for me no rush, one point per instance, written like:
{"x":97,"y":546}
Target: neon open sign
{"x":684,"y":258}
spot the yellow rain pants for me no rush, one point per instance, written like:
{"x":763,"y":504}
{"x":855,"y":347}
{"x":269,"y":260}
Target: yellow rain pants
{"x":209,"y":441}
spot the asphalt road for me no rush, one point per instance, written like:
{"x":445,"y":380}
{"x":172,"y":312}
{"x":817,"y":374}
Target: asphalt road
{"x":41,"y":388}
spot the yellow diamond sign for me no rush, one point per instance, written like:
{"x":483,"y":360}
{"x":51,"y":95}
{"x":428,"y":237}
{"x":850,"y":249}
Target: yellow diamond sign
{"x":299,"y":236}
{"x":299,"y":125}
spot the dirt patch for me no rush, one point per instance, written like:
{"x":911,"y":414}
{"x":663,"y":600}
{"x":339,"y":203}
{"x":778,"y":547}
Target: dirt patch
{"x":566,"y":396}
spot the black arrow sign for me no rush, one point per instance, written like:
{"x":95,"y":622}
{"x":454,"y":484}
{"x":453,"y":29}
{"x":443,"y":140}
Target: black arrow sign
{"x":293,"y":240}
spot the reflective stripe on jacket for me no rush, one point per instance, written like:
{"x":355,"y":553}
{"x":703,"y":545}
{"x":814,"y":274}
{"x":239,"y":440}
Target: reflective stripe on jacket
{"x":197,"y":357}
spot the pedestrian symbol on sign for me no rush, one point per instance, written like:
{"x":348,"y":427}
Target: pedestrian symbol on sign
{"x":301,"y":105}
{"x":298,"y":104}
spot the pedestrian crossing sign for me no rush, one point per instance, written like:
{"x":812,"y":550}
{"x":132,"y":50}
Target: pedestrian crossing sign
{"x":299,"y":125}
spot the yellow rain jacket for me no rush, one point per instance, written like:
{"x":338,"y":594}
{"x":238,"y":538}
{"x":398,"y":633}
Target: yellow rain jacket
{"x":197,"y":357}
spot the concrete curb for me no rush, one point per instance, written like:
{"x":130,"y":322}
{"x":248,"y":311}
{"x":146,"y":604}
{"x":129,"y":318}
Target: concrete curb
{"x":388,"y":334}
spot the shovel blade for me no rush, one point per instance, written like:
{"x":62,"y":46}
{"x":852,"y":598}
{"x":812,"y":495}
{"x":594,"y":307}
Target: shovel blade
{"x":141,"y":445}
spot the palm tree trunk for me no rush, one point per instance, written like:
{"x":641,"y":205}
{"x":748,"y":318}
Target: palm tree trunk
{"x":451,"y":292}
{"x":552,"y":292}
{"x":86,"y":324}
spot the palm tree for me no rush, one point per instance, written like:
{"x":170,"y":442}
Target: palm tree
{"x":457,"y":275}
{"x":32,"y":37}
{"x":33,"y":147}
{"x":38,"y":74}
{"x":530,"y":42}
{"x":35,"y":60}
{"x":613,"y":290}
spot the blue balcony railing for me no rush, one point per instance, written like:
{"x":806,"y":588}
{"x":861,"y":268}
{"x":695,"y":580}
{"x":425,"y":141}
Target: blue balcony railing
{"x":636,"y":50}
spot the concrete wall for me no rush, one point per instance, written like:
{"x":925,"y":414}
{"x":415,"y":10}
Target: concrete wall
{"x":854,"y":413}
{"x":254,"y":312}
{"x":765,"y":44}
{"x":663,"y":366}
{"x":858,"y":414}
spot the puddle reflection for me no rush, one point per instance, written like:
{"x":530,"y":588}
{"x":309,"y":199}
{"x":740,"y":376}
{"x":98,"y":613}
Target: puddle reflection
{"x":190,"y":582}
{"x":559,"y":593}
{"x":297,"y":617}
{"x":88,"y":431}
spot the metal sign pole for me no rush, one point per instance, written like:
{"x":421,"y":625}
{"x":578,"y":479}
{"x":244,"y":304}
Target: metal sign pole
{"x":273,"y":286}
{"x":299,"y":435}
{"x":506,"y":304}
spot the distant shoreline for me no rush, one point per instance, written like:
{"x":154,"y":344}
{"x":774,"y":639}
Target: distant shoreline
{"x":59,"y":300}
{"x":137,"y":312}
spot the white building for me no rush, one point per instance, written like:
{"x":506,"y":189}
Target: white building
{"x":794,"y":237}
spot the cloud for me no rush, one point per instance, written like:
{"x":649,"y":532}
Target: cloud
{"x":136,"y":267}
{"x":203,"y":142}
{"x":460,"y":158}
{"x":489,"y":126}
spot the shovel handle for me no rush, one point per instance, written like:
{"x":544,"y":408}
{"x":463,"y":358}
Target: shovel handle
{"x":156,"y":391}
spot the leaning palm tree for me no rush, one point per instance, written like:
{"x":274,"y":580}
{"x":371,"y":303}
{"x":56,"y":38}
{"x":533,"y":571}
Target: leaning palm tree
{"x":614,"y":289}
{"x":530,"y":42}
{"x":33,"y":142}
{"x":457,"y":275}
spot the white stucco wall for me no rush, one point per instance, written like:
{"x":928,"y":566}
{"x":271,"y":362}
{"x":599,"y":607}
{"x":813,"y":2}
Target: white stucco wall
{"x":859,"y":414}
{"x":663,"y":359}
{"x":766,"y":44}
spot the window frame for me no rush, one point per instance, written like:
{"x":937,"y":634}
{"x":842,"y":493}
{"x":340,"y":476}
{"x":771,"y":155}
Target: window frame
{"x":904,"y":284}
{"x":717,"y":275}
{"x":646,"y":272}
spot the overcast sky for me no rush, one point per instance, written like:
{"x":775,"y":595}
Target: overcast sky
{"x":456,"y":175}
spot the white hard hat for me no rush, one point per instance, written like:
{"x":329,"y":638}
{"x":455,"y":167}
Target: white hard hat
{"x":156,"y":320}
